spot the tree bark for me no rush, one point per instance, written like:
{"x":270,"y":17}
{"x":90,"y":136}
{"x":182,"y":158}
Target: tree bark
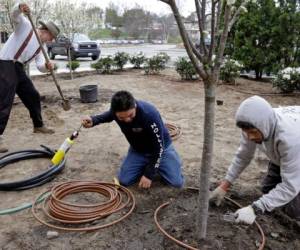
{"x":70,"y":62}
{"x":258,"y":74}
{"x":207,"y":156}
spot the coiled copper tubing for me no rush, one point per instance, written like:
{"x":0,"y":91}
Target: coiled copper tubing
{"x":174,"y":131}
{"x":61,"y":212}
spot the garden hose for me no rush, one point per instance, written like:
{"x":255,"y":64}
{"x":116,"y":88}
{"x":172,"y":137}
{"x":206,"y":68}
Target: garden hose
{"x":21,"y":207}
{"x":35,"y":181}
{"x":57,"y":213}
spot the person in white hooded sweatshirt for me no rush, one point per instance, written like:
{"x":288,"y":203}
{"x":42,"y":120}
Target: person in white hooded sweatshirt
{"x":276,"y":132}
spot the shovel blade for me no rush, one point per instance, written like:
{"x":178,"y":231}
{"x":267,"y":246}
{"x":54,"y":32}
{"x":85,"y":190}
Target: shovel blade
{"x":66,"y":105}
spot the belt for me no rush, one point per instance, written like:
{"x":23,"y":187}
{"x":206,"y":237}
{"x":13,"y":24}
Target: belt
{"x":18,"y":63}
{"x":13,"y":61}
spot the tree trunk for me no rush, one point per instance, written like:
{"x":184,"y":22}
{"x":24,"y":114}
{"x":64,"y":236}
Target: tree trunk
{"x":207,"y":155}
{"x":70,"y":62}
{"x":257,"y":74}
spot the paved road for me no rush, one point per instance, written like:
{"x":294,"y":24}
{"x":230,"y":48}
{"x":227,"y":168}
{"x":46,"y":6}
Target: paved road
{"x":148,"y":49}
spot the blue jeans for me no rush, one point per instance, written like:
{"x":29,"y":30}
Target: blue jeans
{"x":169,"y":169}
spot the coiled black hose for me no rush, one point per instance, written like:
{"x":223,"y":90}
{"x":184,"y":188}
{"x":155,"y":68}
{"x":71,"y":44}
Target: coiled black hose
{"x":35,"y":181}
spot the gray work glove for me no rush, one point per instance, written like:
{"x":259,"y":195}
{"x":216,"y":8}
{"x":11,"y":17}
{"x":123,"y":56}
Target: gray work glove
{"x":217,"y":195}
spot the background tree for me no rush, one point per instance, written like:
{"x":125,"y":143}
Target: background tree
{"x":223,"y":16}
{"x":39,"y":10}
{"x":287,"y":34}
{"x":136,"y":22}
{"x":95,"y":17}
{"x":254,"y":43}
{"x":266,"y":39}
{"x":6,"y":24}
{"x":112,"y":16}
{"x":162,"y":27}
{"x":71,"y":18}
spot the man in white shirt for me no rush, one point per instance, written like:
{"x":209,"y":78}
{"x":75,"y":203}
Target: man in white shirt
{"x":21,"y":48}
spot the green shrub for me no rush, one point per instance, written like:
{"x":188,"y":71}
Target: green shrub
{"x":230,"y":70}
{"x":104,"y":65}
{"x":74,"y":65}
{"x":137,"y":60}
{"x":185,"y":69}
{"x":120,"y":59}
{"x":156,"y":63}
{"x":164,"y":56}
{"x":288,"y":80}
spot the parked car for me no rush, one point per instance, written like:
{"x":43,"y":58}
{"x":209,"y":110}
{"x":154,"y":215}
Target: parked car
{"x":156,"y":41}
{"x":207,"y":42}
{"x":80,"y":46}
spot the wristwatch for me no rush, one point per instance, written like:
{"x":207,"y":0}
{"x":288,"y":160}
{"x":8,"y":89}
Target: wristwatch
{"x":257,"y":210}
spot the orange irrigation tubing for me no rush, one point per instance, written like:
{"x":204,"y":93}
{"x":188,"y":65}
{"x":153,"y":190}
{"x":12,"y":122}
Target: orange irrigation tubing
{"x":174,"y":131}
{"x":178,"y":242}
{"x":60,"y":211}
{"x":182,"y":244}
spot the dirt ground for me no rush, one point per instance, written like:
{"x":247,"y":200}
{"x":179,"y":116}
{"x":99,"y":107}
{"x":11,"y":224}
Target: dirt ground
{"x":97,"y":154}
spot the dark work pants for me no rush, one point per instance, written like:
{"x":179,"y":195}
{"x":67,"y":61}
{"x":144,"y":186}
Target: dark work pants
{"x":273,"y":177}
{"x":13,"y":79}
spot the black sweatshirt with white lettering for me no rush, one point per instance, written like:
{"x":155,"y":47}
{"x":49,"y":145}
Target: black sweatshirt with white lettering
{"x":146,"y":134}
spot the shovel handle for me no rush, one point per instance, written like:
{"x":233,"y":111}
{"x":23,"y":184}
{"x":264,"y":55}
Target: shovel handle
{"x":46,"y":58}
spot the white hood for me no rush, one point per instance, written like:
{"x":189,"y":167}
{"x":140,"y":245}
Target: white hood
{"x":259,"y":113}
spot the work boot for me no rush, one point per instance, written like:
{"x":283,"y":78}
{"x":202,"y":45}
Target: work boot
{"x":3,"y":149}
{"x":43,"y":130}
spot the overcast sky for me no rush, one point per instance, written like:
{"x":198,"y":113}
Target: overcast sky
{"x":185,"y":6}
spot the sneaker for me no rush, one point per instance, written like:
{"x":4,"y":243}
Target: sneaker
{"x":43,"y":130}
{"x":3,"y":149}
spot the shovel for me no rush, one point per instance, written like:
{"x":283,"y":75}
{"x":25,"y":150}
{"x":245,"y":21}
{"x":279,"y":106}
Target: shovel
{"x":66,"y":104}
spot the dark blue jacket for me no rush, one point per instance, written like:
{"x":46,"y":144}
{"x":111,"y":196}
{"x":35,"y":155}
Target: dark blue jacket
{"x":146,"y":133}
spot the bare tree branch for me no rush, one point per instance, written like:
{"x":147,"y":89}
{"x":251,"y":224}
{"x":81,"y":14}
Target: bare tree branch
{"x":223,"y":38}
{"x":186,"y":40}
{"x":201,"y":27}
{"x":195,"y":51}
{"x":218,"y":22}
{"x":203,"y":11}
{"x":212,"y":36}
{"x":218,"y":14}
{"x":236,"y":15}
